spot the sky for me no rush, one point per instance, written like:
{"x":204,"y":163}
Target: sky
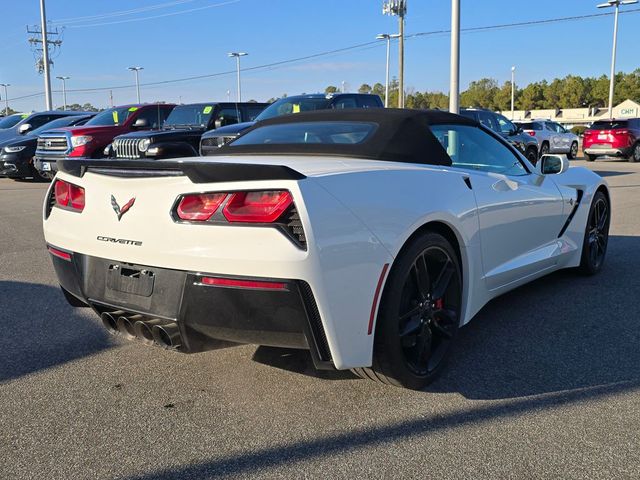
{"x":173,"y":39}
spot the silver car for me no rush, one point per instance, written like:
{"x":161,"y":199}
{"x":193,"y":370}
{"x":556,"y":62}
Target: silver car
{"x":552,"y":137}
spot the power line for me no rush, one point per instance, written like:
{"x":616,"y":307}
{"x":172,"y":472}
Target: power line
{"x":363,"y":46}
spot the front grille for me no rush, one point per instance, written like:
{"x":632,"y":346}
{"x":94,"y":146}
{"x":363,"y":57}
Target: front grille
{"x":52,"y":144}
{"x":126,"y":148}
{"x":317,"y":330}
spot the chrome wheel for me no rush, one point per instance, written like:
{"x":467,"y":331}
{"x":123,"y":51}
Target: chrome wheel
{"x":573,"y":153}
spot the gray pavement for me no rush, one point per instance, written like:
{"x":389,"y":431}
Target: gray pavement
{"x":544,"y":383}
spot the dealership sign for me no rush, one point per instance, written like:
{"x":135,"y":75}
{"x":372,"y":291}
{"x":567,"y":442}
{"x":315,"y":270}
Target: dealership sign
{"x":628,"y":112}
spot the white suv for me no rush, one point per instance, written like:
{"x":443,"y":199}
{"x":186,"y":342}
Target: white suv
{"x":552,"y":137}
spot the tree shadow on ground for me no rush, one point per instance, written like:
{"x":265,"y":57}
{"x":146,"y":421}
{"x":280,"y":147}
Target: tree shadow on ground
{"x":40,"y":330}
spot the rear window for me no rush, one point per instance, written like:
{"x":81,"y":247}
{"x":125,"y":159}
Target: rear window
{"x":113,"y":116}
{"x":530,"y":126}
{"x":609,"y":125}
{"x":327,"y":133}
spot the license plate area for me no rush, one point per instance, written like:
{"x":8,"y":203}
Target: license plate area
{"x":123,"y":278}
{"x":46,"y":167}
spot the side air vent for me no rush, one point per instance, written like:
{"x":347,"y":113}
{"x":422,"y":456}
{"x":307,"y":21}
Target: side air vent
{"x":317,"y":330}
{"x":294,"y":228}
{"x":51,"y":200}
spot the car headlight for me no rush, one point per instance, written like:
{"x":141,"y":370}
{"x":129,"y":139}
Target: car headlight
{"x":152,"y":152}
{"x":80,"y":140}
{"x":15,"y":149}
{"x":143,"y":145}
{"x":107,"y":150}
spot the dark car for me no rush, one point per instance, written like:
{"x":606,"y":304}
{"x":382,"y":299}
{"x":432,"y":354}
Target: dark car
{"x":90,"y":140}
{"x":11,"y":120}
{"x":295,"y":104}
{"x":16,"y":157}
{"x":617,"y":137}
{"x":27,"y":123}
{"x":180,"y":135}
{"x":524,"y":142}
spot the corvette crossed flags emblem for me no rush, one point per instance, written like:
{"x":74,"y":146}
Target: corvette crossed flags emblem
{"x":120,"y":211}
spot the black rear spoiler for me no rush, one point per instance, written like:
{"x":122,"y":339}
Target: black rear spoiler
{"x":198,"y":172}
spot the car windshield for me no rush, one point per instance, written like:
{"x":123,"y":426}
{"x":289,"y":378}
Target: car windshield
{"x":60,"y":122}
{"x":111,"y":117}
{"x":609,"y":125}
{"x":196,"y":115}
{"x":288,"y":105}
{"x":327,"y":133}
{"x":11,"y":120}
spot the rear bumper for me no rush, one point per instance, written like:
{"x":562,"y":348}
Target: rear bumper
{"x":286,"y":316}
{"x":612,"y":151}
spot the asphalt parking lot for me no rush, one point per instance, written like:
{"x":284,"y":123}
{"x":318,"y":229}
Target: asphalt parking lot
{"x":544,"y":383}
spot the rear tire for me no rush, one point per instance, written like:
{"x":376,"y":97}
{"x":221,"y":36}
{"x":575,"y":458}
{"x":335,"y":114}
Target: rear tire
{"x":635,"y":153}
{"x":590,"y":158}
{"x":596,"y":235}
{"x":37,"y":176}
{"x":544,"y":148}
{"x":573,"y":151}
{"x":418,"y":316}
{"x":532,"y":155}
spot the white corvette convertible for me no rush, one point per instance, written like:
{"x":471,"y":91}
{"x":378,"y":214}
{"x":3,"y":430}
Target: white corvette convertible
{"x":367,"y":237}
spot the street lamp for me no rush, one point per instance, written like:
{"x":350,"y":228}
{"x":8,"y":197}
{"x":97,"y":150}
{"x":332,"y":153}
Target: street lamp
{"x":399,"y":9}
{"x":387,"y":37}
{"x":513,"y":90}
{"x":237,"y":56}
{"x":614,"y":3}
{"x":6,"y":98}
{"x":64,"y":91}
{"x":136,"y":70}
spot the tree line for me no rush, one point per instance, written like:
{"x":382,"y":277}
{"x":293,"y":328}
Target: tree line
{"x":571,"y":91}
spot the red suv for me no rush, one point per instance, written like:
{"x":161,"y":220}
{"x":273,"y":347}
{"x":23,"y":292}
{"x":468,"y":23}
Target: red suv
{"x":90,"y":140}
{"x":619,"y":138}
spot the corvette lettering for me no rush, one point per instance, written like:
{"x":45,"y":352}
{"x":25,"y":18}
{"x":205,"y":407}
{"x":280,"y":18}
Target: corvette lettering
{"x":122,"y":241}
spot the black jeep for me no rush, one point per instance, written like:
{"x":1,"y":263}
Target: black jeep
{"x":181,"y":132}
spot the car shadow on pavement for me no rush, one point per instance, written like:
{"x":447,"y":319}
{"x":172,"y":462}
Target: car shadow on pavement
{"x":297,"y":361}
{"x":562,"y":332}
{"x":40,"y":330}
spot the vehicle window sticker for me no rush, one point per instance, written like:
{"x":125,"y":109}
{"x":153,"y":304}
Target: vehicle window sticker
{"x":24,"y":115}
{"x":133,"y":109}
{"x":207,"y":110}
{"x":296,"y":108}
{"x":115,"y":116}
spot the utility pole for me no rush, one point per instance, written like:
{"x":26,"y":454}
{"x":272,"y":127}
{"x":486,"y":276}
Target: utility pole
{"x":136,"y":70}
{"x":111,"y":98}
{"x":399,"y":9}
{"x":64,"y":91}
{"x":616,"y":4}
{"x":237,"y":56}
{"x":513,"y":91}
{"x":40,"y":47}
{"x":454,"y":81}
{"x":6,"y":97}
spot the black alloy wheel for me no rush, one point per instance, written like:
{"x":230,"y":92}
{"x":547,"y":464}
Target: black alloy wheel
{"x":596,"y":237}
{"x":532,"y":155}
{"x":419,"y":315}
{"x":573,"y":151}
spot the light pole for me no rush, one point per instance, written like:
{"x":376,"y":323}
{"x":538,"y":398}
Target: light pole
{"x":136,"y":70}
{"x":454,"y":87}
{"x":616,"y":4}
{"x":6,"y":97}
{"x":513,"y":90}
{"x":398,"y":8}
{"x":64,"y":90}
{"x":237,"y":56}
{"x":387,"y":37}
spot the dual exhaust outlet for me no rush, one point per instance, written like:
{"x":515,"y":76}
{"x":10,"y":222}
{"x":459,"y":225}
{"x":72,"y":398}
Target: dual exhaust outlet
{"x":155,"y":331}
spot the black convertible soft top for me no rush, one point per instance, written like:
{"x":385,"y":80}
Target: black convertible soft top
{"x":401,"y":135}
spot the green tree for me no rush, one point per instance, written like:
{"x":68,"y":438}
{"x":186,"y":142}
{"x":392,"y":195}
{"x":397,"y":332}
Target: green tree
{"x":531,"y":97}
{"x":481,"y":93}
{"x":365,"y":88}
{"x":330,"y":89}
{"x":502,"y":98}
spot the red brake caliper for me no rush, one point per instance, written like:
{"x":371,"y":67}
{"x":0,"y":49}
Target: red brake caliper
{"x":439,"y":303}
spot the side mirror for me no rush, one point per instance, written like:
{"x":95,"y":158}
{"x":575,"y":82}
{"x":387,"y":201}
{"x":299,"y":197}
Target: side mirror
{"x":141,"y":123}
{"x":552,"y":164}
{"x":24,"y":128}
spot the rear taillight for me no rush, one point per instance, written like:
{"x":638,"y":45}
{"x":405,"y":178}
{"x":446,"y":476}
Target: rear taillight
{"x":257,"y":207}
{"x":620,"y":132}
{"x":199,"y":207}
{"x":531,"y":132}
{"x":238,"y":283}
{"x":69,"y":196}
{"x":60,"y":254}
